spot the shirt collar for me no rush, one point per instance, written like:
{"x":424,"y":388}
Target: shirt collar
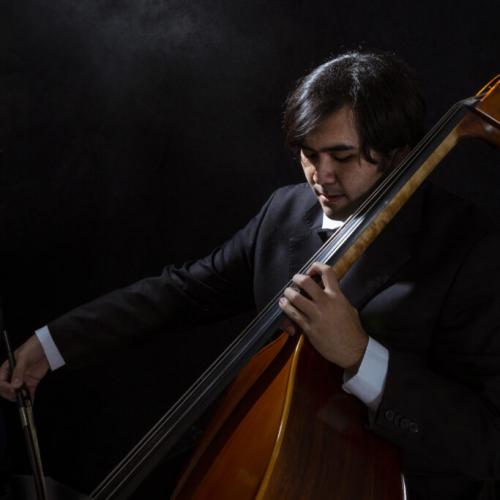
{"x":331,"y":223}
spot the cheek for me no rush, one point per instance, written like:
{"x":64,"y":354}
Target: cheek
{"x":308,"y":173}
{"x":367,"y":178}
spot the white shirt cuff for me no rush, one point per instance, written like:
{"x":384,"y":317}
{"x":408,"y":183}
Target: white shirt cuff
{"x":50,"y":349}
{"x":369,"y":381}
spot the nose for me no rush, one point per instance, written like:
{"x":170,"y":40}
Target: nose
{"x":325,"y":171}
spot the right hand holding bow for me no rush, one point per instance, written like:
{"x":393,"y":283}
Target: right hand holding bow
{"x":31,"y":367}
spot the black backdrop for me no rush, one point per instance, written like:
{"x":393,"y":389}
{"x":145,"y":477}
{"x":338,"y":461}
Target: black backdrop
{"x":140,"y":133}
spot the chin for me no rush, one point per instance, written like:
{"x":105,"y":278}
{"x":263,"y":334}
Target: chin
{"x":340,"y":213}
{"x":332,"y":212}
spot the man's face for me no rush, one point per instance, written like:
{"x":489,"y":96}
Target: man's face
{"x":334,"y":165}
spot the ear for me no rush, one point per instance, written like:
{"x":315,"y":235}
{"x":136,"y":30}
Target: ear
{"x":396,"y":156}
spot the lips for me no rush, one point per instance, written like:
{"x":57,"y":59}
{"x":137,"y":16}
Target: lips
{"x":330,"y":197}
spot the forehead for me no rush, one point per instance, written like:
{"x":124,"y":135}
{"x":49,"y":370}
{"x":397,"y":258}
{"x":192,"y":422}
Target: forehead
{"x":338,"y":128}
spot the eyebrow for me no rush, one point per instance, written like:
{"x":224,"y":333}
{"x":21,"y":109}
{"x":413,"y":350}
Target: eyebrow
{"x":330,"y":149}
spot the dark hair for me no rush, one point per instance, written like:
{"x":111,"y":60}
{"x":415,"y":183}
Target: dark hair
{"x":387,"y":103}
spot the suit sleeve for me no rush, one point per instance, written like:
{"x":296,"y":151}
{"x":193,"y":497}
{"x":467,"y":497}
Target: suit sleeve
{"x":445,"y":406}
{"x":212,"y":288}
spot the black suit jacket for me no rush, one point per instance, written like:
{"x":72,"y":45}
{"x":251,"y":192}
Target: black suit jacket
{"x":427,"y":289}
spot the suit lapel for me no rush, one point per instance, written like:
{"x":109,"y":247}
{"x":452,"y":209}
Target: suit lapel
{"x":386,"y":255}
{"x":302,"y":245}
{"x":373,"y":270}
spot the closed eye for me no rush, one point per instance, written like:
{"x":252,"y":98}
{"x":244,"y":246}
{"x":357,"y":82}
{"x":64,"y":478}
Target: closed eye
{"x":343,"y":159}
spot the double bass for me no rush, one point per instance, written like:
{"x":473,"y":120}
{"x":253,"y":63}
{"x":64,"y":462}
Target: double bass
{"x":285,"y":429}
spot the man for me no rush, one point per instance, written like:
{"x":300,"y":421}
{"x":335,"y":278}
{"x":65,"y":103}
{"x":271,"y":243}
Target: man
{"x":424,"y":352}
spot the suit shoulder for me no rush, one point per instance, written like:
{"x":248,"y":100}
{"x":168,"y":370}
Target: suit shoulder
{"x":294,"y":196}
{"x":458,"y":220}
{"x":290,"y":205}
{"x":457,"y":212}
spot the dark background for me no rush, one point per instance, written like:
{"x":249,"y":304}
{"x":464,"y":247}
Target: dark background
{"x":140,"y":133}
